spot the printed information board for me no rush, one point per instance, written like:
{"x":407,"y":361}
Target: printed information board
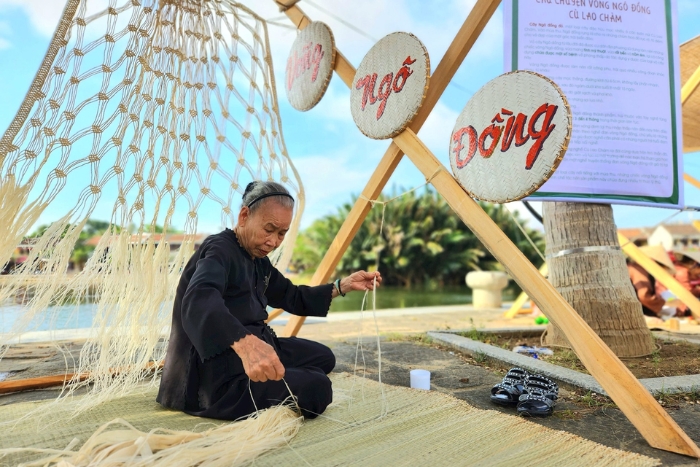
{"x":617,"y":63}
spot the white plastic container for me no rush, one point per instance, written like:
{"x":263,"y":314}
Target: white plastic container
{"x":420,"y":379}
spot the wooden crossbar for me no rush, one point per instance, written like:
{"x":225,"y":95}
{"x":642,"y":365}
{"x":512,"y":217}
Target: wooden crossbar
{"x":690,"y":86}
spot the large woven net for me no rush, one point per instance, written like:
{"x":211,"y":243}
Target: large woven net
{"x":154,"y":114}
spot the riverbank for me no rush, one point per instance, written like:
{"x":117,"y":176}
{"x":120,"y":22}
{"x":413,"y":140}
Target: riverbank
{"x":345,"y":324}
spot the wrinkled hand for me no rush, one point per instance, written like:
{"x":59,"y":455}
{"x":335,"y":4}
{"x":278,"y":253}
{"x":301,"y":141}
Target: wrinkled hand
{"x":260,"y":361}
{"x":360,"y":280}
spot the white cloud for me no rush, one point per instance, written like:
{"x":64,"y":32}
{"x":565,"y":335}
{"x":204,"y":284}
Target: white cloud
{"x":519,"y":207}
{"x":5,"y":30}
{"x":329,"y":180}
{"x":42,"y":14}
{"x":437,"y":129}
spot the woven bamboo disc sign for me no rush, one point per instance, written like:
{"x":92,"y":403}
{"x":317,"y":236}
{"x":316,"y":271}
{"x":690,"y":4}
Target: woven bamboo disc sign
{"x":310,"y":66}
{"x":510,"y":137}
{"x":390,"y":85}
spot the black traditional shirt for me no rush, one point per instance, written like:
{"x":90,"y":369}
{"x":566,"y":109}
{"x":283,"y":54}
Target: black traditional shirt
{"x":222,"y":294}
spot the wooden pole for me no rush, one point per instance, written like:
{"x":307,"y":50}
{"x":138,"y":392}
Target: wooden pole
{"x":522,"y":298}
{"x":690,"y":86}
{"x":458,"y":49}
{"x":652,"y":421}
{"x":692,"y":180}
{"x":43,"y":382}
{"x":660,"y":274}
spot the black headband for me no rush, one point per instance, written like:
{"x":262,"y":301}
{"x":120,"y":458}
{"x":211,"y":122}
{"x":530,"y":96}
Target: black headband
{"x":267,"y":195}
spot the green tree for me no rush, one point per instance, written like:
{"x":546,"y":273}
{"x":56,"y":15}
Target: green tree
{"x":419,"y":241}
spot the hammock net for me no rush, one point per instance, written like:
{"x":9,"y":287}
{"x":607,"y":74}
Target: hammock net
{"x":153,"y":115}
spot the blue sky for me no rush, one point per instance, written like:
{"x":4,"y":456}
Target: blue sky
{"x":334,"y":159}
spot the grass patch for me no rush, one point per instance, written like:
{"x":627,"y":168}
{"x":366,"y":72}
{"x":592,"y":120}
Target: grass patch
{"x":421,"y":339}
{"x":565,"y":358}
{"x":669,"y":358}
{"x":475,"y":335}
{"x":567,"y":414}
{"x":480,"y":357}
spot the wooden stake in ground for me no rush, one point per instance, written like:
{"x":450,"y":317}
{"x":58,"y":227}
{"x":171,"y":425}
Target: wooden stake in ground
{"x":587,"y":267}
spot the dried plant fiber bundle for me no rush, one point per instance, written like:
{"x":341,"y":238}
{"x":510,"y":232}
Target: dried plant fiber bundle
{"x":118,"y":443}
{"x":148,"y":114}
{"x":419,"y":427}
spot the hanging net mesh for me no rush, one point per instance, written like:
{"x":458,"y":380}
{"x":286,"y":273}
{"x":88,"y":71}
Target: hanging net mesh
{"x":154,"y":114}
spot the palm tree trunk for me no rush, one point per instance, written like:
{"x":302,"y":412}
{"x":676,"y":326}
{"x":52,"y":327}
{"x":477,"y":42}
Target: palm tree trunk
{"x":595,"y":283}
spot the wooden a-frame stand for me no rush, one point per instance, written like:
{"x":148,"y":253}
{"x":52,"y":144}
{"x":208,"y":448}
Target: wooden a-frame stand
{"x":652,"y":421}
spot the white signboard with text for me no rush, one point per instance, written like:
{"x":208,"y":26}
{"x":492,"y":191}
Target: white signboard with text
{"x":617,"y":63}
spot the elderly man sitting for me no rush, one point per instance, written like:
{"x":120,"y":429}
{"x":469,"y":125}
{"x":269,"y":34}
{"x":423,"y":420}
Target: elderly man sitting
{"x":223,"y":361}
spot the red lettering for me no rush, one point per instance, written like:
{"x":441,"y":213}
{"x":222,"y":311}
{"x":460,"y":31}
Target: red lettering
{"x":516,"y":130}
{"x":457,"y":149}
{"x":388,"y":84}
{"x":493,"y":132}
{"x":367,"y":83}
{"x":316,"y":61}
{"x":515,"y":126}
{"x":383,"y":94}
{"x":310,"y":59}
{"x":539,"y":137}
{"x":404,"y":72}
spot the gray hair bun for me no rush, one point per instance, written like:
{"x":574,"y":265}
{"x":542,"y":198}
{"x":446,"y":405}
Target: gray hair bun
{"x":258,"y":193}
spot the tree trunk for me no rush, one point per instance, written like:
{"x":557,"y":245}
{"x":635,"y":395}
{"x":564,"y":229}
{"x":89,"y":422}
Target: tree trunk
{"x":595,"y":283}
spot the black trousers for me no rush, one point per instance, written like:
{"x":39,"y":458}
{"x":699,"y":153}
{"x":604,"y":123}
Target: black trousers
{"x":225,"y":390}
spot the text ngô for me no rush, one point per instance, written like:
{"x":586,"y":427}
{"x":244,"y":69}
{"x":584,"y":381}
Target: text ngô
{"x":388,"y":84}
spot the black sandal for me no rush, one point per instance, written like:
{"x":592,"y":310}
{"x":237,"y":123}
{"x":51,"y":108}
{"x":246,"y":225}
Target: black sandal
{"x":510,"y":389}
{"x":539,"y":396}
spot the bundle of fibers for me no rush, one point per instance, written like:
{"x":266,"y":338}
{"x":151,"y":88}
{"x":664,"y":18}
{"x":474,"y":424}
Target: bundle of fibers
{"x":118,"y":443}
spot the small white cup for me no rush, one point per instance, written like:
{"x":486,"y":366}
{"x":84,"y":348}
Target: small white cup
{"x":420,"y":379}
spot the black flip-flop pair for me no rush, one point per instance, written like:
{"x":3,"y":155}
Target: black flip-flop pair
{"x":534,"y":395}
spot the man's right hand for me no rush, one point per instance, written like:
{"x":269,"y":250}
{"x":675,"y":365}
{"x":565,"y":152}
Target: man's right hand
{"x":260,"y":361}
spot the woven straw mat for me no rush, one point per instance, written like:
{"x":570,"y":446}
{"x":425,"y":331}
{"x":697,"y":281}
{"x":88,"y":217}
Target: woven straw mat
{"x":419,"y":427}
{"x":306,"y":90}
{"x":387,"y":57}
{"x":502,"y":177}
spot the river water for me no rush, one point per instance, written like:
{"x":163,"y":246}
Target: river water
{"x":80,"y":316}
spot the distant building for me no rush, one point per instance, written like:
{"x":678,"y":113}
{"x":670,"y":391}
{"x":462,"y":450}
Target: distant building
{"x":174,"y":241}
{"x":670,"y":236}
{"x":676,"y":236}
{"x":638,"y":236}
{"x":20,"y":255}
